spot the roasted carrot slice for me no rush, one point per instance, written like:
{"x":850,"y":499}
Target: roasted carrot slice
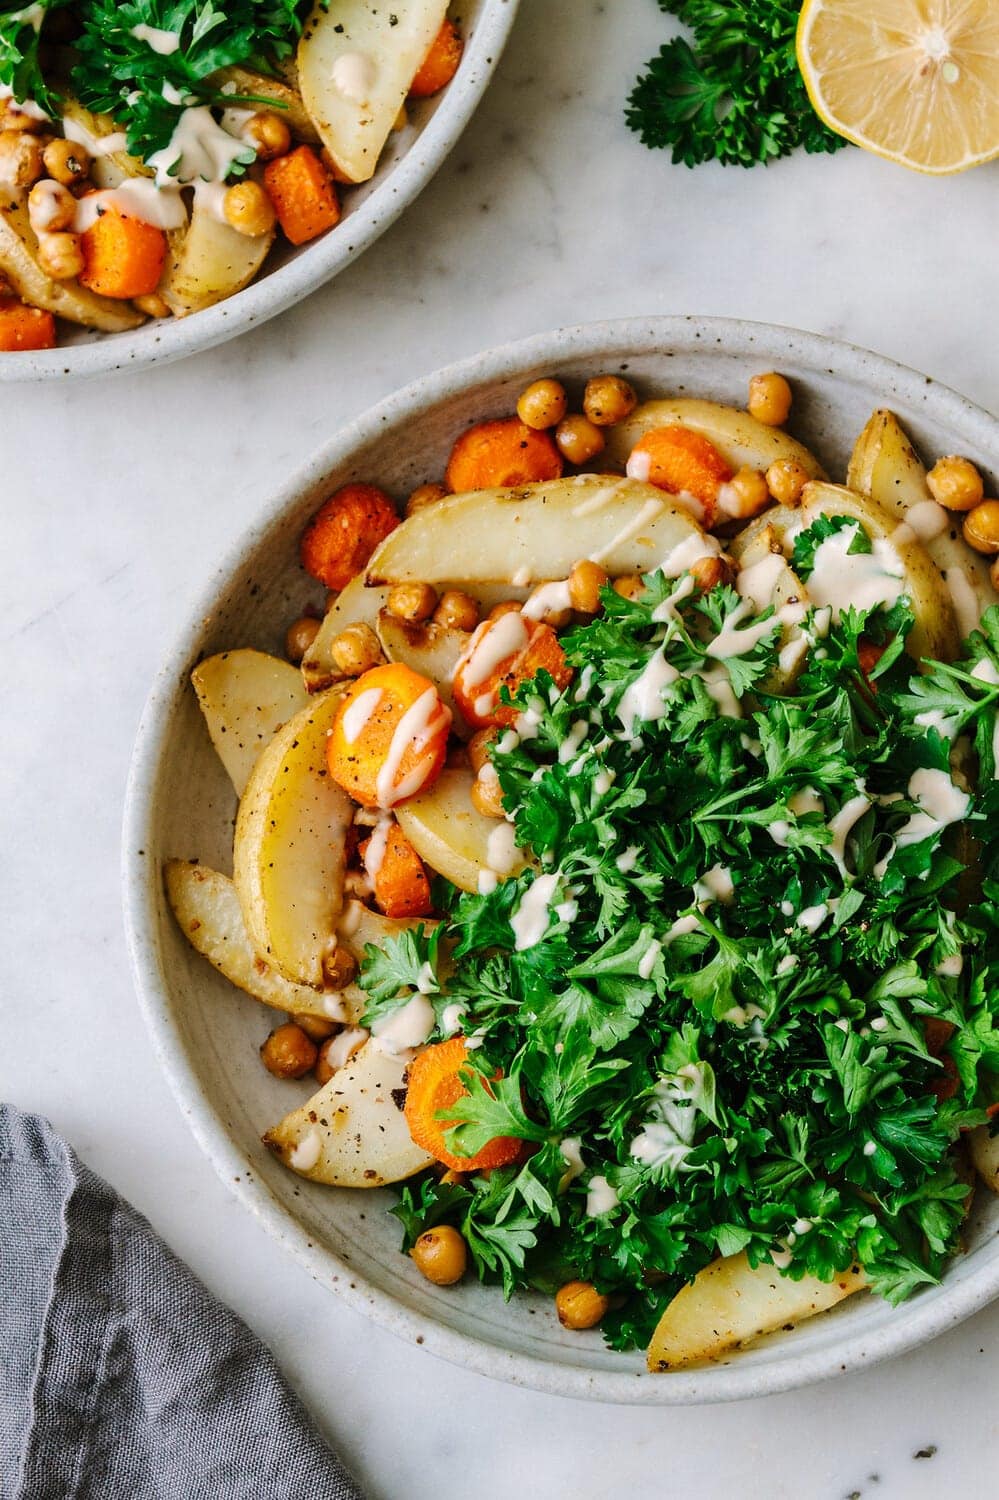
{"x":303,"y":193}
{"x":505,"y":452}
{"x":440,"y":64}
{"x":433,"y":1084}
{"x":504,"y":652}
{"x":681,"y":461}
{"x":122,"y":257}
{"x":23,"y":328}
{"x":397,"y":873}
{"x":389,"y":738}
{"x":344,"y":532}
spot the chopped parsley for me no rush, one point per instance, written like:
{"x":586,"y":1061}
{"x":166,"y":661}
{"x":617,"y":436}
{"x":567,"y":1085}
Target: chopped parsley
{"x":754,"y":917}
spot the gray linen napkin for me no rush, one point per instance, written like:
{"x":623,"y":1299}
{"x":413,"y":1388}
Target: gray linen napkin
{"x":121,"y":1378}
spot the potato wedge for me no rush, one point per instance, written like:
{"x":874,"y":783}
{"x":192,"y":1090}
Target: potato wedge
{"x":885,"y":466}
{"x":766,"y":577}
{"x":352,"y":1133}
{"x":108,"y":169}
{"x":430,"y":649}
{"x":20,"y":264}
{"x":289,"y":849}
{"x":740,"y":438}
{"x":245,"y":697}
{"x":453,"y":837}
{"x":356,"y":61}
{"x":535,"y":533}
{"x":208,"y":262}
{"x":359,"y":926}
{"x":354,"y":605}
{"x":729,"y":1304}
{"x":284,"y":99}
{"x":985,"y":1155}
{"x":208,"y":913}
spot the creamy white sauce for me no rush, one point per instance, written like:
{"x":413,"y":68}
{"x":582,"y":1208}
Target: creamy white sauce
{"x":492,"y":644}
{"x":419,"y":725}
{"x":521,"y":577}
{"x":357,"y":716}
{"x":627,"y":861}
{"x":601,"y":1198}
{"x":527,"y":723}
{"x":342,"y":1048}
{"x":354,"y":75}
{"x":406,"y":1028}
{"x":569,"y":748}
{"x":780,"y":832}
{"x":731,"y":641}
{"x":639,"y":465}
{"x":812,"y":918}
{"x":32,"y":16}
{"x":681,"y":928}
{"x":951,"y":966}
{"x":198,"y":149}
{"x":758,"y":582}
{"x":935,"y":718}
{"x":787,"y":964}
{"x":452,"y":1017}
{"x":642,"y":701}
{"x":487,"y":882}
{"x":163,"y":43}
{"x":720,"y":690}
{"x":647,"y":962}
{"x":926,"y":520}
{"x":805,"y":800}
{"x":715,"y":885}
{"x":570,"y":1148}
{"x":688,"y":552}
{"x":47,"y":201}
{"x":136,"y":198}
{"x":532,"y":918}
{"x":667,"y":611}
{"x":374,"y":851}
{"x":502,"y":851}
{"x":549,"y":599}
{"x":858,"y":581}
{"x":940,"y":803}
{"x":306,"y":1154}
{"x":94,"y":145}
{"x":841,"y":826}
{"x":603,"y":781}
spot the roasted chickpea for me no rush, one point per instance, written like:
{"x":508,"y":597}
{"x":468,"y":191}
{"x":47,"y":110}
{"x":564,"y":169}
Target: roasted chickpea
{"x":441,"y":1255}
{"x":786,"y":479}
{"x":580,"y":1305}
{"x":20,"y":159}
{"x":425,"y":494}
{"x":542,"y":404}
{"x":66,"y":161}
{"x":153,"y":305}
{"x":288,"y":1052}
{"x":317,"y":1028}
{"x":769,"y":399}
{"x":324,"y":1070}
{"x":709,"y":572}
{"x":356,"y":649}
{"x":478,"y":749}
{"x":585,"y":582}
{"x":578,"y":439}
{"x":981,"y":527}
{"x":955,"y":483}
{"x":487,"y":794}
{"x":51,"y":207}
{"x":13,"y":117}
{"x":629,"y":587}
{"x":457,"y":610}
{"x":299,"y":637}
{"x":745,"y":495}
{"x":339,"y":968}
{"x":508,"y":607}
{"x":412,"y":601}
{"x":248,"y":209}
{"x":268,"y":134}
{"x":608,"y":399}
{"x":60,"y":256}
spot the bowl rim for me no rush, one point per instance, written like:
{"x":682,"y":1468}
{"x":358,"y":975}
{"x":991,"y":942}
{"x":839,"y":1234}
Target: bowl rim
{"x":605,"y":341}
{"x":266,"y":297}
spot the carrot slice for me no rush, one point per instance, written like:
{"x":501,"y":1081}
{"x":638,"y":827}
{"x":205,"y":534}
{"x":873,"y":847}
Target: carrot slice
{"x":504,"y":652}
{"x":23,"y":328}
{"x":389,"y":738}
{"x":303,"y":193}
{"x":433,"y":1083}
{"x":505,"y":452}
{"x":122,"y":257}
{"x":440,"y":64}
{"x":683,"y":462}
{"x":397,"y":873}
{"x":345,"y":531}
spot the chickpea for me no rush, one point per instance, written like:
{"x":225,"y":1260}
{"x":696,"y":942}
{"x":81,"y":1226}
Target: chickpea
{"x":585,"y":582}
{"x":955,"y":483}
{"x":60,"y":256}
{"x":339,"y":968}
{"x":412,"y":601}
{"x":299,"y":637}
{"x":13,"y":117}
{"x":508,"y":607}
{"x":578,"y":439}
{"x":457,"y":610}
{"x":66,"y":162}
{"x":20,"y":159}
{"x":478,"y":749}
{"x":288,"y":1052}
{"x":709,"y":572}
{"x":629,"y":587}
{"x":745,"y":495}
{"x":425,"y":494}
{"x":268,"y":134}
{"x":487,"y":794}
{"x":324,"y":1069}
{"x":542,"y":404}
{"x":769,"y":399}
{"x":356,"y":650}
{"x":981,"y":527}
{"x":51,"y":207}
{"x":317,"y":1028}
{"x":248,"y":209}
{"x":441,"y":1255}
{"x":786,"y":479}
{"x":580,"y":1305}
{"x":608,"y":399}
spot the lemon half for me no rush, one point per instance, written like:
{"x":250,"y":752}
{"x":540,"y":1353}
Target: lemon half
{"x":916,"y":81}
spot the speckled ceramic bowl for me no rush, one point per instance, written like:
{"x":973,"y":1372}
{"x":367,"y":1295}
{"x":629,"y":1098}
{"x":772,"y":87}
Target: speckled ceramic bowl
{"x":180,"y":804}
{"x":409,"y":161}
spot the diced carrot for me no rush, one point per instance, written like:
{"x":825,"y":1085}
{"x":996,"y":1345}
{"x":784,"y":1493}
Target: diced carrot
{"x":505,"y":452}
{"x":122,"y":257}
{"x":389,"y":738}
{"x":344,"y":532}
{"x":683,"y":462}
{"x":868,"y":655}
{"x":433,"y":1083}
{"x":505,"y":651}
{"x":440,"y":64}
{"x":304,"y":194}
{"x":23,"y":327}
{"x":397,"y":873}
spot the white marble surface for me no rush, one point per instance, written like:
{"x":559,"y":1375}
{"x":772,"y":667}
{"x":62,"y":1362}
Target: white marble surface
{"x":117,"y":498}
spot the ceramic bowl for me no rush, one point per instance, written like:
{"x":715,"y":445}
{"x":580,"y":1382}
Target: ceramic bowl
{"x":409,"y":161}
{"x":180,"y":804}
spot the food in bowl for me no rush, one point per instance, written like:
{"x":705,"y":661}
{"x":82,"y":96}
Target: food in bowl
{"x":150,"y":158}
{"x":620,"y":853}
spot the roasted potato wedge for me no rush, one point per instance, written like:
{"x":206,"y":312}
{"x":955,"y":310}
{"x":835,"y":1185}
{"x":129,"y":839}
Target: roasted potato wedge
{"x":21,"y":266}
{"x":109,"y":169}
{"x":739,"y":438}
{"x":245,"y":697}
{"x":360,"y":926}
{"x":352,"y":1133}
{"x":354,"y":605}
{"x":289,"y":849}
{"x":208,"y":262}
{"x":766,"y":577}
{"x":282,"y":96}
{"x":430,"y":649}
{"x":985,"y":1155}
{"x":453,"y":837}
{"x":730,"y":1304}
{"x":356,"y":61}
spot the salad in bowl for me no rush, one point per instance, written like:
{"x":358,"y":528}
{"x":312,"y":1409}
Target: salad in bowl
{"x":618,"y":843}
